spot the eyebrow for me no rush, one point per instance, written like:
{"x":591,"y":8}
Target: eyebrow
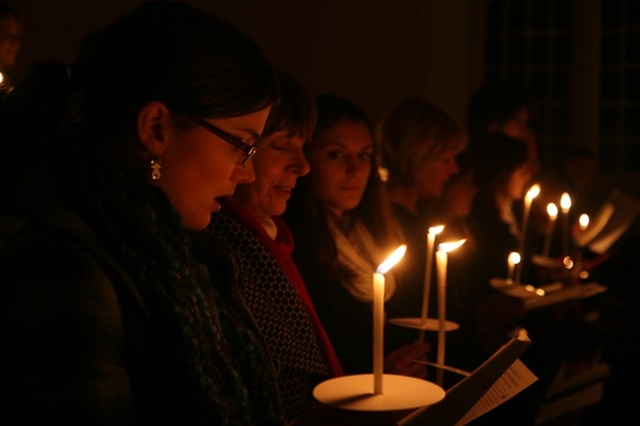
{"x":253,"y":135}
{"x":344,"y":145}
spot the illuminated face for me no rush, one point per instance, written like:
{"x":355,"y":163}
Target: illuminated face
{"x":10,"y":35}
{"x":340,"y":159}
{"x":432,"y":175}
{"x":198,"y":166}
{"x":518,"y":126}
{"x":278,"y":163}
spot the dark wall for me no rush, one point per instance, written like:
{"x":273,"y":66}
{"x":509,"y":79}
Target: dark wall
{"x":373,"y":51}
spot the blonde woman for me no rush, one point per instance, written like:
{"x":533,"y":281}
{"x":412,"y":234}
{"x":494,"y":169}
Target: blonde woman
{"x":419,"y":143}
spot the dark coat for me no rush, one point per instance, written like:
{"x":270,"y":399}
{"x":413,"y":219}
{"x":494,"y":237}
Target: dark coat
{"x":80,"y":345}
{"x":66,"y":352}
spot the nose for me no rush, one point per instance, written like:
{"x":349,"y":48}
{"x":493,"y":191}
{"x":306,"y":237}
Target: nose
{"x":299,"y":164}
{"x":243,"y":174}
{"x":354,"y":166}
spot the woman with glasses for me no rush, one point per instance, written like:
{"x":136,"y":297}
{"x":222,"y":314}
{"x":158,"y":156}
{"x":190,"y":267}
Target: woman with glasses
{"x":109,"y":163}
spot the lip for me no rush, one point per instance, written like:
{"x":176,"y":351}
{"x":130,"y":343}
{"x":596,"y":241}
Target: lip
{"x":217,"y":199}
{"x":227,"y":195}
{"x":287,"y":188}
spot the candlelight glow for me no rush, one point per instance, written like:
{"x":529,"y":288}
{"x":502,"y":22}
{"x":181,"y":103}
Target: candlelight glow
{"x":1,"y":77}
{"x":583,"y":221}
{"x":533,"y":192}
{"x":436,"y":229}
{"x":596,"y":225}
{"x":565,"y":202}
{"x":514,"y":258}
{"x":384,"y":174}
{"x":552,"y":210}
{"x":392,"y":260}
{"x":568,"y":262}
{"x":532,"y":289}
{"x":447,"y":247}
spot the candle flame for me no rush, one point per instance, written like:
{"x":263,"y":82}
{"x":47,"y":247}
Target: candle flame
{"x":584,"y":221}
{"x":533,"y":192}
{"x":514,"y":258}
{"x":1,"y":77}
{"x":552,"y":210}
{"x":436,"y":229}
{"x":565,"y":202}
{"x":391,"y":261}
{"x":447,"y":247}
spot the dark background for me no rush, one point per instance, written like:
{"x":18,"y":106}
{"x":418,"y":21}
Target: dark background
{"x":377,"y":52}
{"x":373,"y":51}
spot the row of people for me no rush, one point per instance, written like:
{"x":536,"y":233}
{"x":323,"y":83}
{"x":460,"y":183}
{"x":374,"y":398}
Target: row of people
{"x":159,"y":266}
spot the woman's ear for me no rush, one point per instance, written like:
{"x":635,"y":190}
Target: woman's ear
{"x":153,"y":125}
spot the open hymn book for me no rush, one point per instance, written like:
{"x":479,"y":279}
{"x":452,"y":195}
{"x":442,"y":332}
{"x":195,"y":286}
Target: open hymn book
{"x":498,"y":379}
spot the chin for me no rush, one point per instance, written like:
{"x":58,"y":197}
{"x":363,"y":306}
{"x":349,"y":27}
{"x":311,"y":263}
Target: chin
{"x":276,"y":211}
{"x":197,"y":226}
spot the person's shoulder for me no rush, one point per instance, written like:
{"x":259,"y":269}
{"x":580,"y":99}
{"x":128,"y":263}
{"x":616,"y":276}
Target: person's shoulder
{"x":57,"y":296}
{"x":56,"y":249}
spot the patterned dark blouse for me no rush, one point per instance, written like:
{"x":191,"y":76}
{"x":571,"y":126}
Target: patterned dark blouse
{"x":283,"y":320}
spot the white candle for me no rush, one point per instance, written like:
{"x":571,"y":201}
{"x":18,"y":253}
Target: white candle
{"x":528,"y":200}
{"x":565,"y":205}
{"x":378,"y":331}
{"x":378,"y":316}
{"x":441,"y":263}
{"x":431,"y":239}
{"x":552,"y":211}
{"x":512,"y":261}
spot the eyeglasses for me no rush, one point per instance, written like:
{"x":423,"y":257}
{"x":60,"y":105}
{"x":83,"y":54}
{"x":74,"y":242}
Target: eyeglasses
{"x":246,"y":149}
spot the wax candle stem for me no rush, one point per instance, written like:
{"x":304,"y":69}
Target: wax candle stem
{"x":378,"y":332}
{"x":441,"y":258}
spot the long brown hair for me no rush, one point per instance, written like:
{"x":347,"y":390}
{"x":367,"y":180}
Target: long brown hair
{"x":307,"y":216}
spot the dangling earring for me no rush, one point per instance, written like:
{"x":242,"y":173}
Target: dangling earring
{"x":156,"y":165}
